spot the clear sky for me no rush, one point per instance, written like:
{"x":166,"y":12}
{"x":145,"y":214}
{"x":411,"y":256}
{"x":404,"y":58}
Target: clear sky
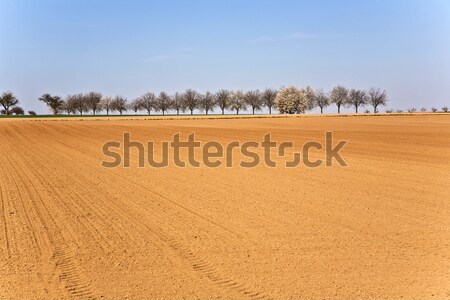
{"x":132,"y":47}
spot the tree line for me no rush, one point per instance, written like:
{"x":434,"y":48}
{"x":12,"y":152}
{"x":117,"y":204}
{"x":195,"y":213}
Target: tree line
{"x":188,"y":101}
{"x":295,"y":100}
{"x":287,"y":100}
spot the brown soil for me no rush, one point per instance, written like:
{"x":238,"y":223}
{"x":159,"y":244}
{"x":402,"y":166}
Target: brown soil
{"x":379,"y":228}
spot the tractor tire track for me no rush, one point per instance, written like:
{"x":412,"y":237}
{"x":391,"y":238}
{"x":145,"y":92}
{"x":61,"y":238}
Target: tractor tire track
{"x":198,"y":265}
{"x":69,"y":275}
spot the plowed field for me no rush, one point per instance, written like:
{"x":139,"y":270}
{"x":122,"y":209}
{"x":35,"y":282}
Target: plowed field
{"x":378,"y":228}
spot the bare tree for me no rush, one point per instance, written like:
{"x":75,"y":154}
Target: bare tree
{"x":119,"y":104}
{"x":445,"y":109}
{"x":70,"y":105}
{"x":412,"y":110}
{"x":310,"y":96}
{"x":322,"y":100}
{"x":237,"y":101}
{"x":357,"y":98}
{"x":92,"y":100}
{"x":177,"y":103}
{"x":7,"y":100}
{"x":148,"y":102}
{"x":423,"y":109}
{"x":254,"y":100}
{"x":32,"y":113}
{"x":434,"y":109}
{"x":67,"y":107}
{"x":106,"y":104}
{"x":223,"y":100}
{"x":54,"y":102}
{"x":268,"y":98}
{"x":339,"y":96}
{"x":377,"y":98}
{"x":17,"y":110}
{"x":190,"y":100}
{"x":136,"y":105}
{"x":163,"y":102}
{"x":207,"y":102}
{"x":77,"y":102}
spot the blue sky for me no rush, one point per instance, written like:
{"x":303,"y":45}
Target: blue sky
{"x":132,"y":47}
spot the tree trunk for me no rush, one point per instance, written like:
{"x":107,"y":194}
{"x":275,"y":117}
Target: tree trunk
{"x":192,"y":112}
{"x":356,"y":108}
{"x":339,"y":109}
{"x":321,"y":110}
{"x":253,"y":110}
{"x":223,"y":111}
{"x":270,"y":110}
